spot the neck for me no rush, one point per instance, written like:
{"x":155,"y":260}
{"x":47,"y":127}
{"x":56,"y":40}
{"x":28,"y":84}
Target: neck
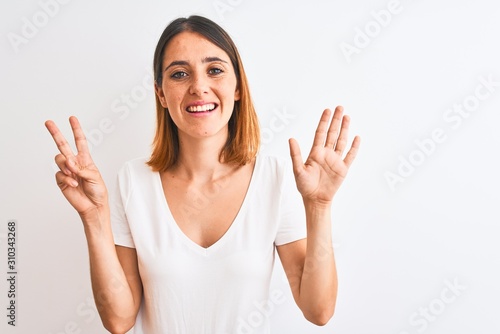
{"x":199,"y":158}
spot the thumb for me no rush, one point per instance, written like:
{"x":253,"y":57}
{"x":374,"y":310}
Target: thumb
{"x":296,"y":156}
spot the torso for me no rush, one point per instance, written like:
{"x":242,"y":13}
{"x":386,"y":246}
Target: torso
{"x":187,"y":288}
{"x":204,"y":212}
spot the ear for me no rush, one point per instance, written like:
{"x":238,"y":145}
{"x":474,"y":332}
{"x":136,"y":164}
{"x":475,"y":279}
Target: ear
{"x":161,"y":95}
{"x":237,"y":94}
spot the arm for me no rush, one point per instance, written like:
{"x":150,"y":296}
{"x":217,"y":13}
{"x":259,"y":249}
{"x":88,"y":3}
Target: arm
{"x":114,"y":273}
{"x":310,"y":264}
{"x":115,"y":279}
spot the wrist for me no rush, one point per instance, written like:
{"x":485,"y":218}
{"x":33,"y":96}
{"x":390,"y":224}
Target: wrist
{"x":318,"y":219}
{"x":317,"y":205}
{"x":95,"y":219}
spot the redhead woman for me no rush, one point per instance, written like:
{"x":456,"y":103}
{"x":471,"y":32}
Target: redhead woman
{"x":187,"y":242}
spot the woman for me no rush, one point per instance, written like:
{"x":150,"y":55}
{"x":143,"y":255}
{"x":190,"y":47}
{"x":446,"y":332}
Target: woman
{"x":187,"y":244}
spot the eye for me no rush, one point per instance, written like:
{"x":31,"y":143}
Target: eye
{"x":178,"y":75}
{"x":215,"y":71}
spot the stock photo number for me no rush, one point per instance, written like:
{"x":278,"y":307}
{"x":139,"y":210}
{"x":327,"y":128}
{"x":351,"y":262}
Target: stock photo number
{"x":11,"y":271}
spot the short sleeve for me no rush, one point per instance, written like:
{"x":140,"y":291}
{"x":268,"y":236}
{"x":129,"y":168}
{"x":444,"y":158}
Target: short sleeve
{"x":292,"y":220}
{"x":118,"y":204}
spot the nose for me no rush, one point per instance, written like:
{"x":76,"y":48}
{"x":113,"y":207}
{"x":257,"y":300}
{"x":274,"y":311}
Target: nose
{"x":199,"y":85}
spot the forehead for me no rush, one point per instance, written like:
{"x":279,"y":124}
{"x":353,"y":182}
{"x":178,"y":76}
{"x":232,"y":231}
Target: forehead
{"x":192,"y":46}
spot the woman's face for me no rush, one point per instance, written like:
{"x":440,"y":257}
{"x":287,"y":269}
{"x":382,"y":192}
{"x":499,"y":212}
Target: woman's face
{"x":199,"y":86}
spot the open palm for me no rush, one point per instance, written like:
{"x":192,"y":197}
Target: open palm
{"x":320,"y":176}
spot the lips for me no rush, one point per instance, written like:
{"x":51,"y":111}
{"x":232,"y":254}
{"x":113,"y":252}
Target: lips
{"x":201,"y":108}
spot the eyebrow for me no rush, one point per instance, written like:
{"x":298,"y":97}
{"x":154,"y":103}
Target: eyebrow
{"x":212,"y":59}
{"x":204,"y":60}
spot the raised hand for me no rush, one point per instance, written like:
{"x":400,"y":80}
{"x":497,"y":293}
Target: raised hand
{"x":78,"y":178}
{"x":319,"y":178}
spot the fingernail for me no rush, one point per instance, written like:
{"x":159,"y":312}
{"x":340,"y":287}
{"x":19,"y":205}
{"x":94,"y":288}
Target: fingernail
{"x":74,"y":183}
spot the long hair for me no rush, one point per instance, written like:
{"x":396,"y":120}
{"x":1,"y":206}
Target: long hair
{"x":243,"y":139}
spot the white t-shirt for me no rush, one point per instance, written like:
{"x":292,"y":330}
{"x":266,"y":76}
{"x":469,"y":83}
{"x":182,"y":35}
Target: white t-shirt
{"x":221,"y":289}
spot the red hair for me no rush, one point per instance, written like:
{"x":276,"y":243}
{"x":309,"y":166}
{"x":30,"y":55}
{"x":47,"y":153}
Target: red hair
{"x":244,"y":135}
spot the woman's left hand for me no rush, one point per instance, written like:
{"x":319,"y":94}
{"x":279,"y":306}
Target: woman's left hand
{"x":319,"y":178}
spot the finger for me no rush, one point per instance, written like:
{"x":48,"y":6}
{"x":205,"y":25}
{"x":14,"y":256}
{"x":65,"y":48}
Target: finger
{"x":79,"y":135}
{"x":333,"y":130}
{"x":61,"y":163}
{"x":320,"y":136}
{"x":344,"y":134}
{"x":296,"y":156}
{"x":353,"y":151}
{"x":61,"y":142}
{"x":84,"y":173}
{"x":64,"y":181}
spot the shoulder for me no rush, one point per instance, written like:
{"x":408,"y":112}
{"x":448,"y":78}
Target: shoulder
{"x":134,"y":166}
{"x":133,"y":172}
{"x":273,"y":169}
{"x":270,"y":162}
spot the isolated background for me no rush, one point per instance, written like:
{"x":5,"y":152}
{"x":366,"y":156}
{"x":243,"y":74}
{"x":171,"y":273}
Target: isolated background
{"x":396,"y":247}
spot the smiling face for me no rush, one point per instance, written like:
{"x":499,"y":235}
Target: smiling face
{"x":198,"y":87}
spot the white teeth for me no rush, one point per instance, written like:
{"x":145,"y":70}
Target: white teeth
{"x":205,"y":107}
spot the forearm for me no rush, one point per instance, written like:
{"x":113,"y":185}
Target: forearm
{"x":318,"y":287}
{"x":112,"y":292}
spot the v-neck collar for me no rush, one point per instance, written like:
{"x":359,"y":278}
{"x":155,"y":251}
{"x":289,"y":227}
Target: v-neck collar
{"x":206,"y":251}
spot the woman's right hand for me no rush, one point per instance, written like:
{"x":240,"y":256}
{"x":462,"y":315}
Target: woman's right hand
{"x":78,"y":178}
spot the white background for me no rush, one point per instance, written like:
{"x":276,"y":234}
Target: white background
{"x":396,"y":247}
